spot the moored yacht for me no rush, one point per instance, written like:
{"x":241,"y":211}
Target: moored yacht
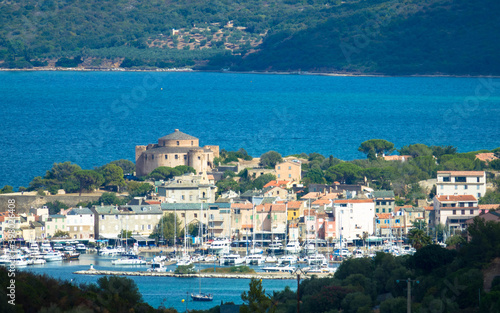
{"x":293,"y":247}
{"x":131,"y":260}
{"x":231,"y":259}
{"x":254,"y":259}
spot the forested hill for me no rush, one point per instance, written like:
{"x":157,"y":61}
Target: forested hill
{"x":360,"y":36}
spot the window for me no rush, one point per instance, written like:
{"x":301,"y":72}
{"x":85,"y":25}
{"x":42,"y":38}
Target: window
{"x":192,"y":143}
{"x":185,"y":157}
{"x":149,"y":226}
{"x":376,"y":210}
{"x":102,"y":217}
{"x":116,"y":217}
{"x":454,"y":212}
{"x":479,"y":195}
{"x":279,"y":167}
{"x":465,"y":186}
{"x":176,"y":157}
{"x":289,"y":175}
{"x":183,"y":214}
{"x":461,"y":179}
{"x":166,"y":157}
{"x":153,"y":156}
{"x":289,"y":167}
{"x":279,"y":175}
{"x":463,"y":212}
{"x":471,"y":212}
{"x":190,"y":197}
{"x":294,"y":213}
{"x":442,"y":187}
{"x":182,"y":197}
{"x":390,"y":210}
{"x":384,"y":203}
{"x":199,"y":158}
{"x":478,"y":180}
{"x":446,"y":179}
{"x":177,"y":143}
{"x":383,"y":210}
{"x":195,"y":215}
{"x":456,"y":187}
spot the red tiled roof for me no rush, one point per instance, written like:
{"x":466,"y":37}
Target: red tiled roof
{"x":486,"y":157}
{"x":276,"y":183}
{"x":488,"y":206}
{"x":429,"y":208}
{"x":210,"y":177}
{"x":384,"y":216}
{"x":312,"y":195}
{"x":263,"y":208}
{"x":153,"y":202}
{"x":294,"y":204}
{"x":397,"y":157}
{"x":353,"y":201}
{"x":456,"y":198}
{"x":331,"y":195}
{"x":462,"y":173}
{"x":309,"y":212}
{"x":321,"y":202}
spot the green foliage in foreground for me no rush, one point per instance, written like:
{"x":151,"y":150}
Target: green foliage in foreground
{"x":41,"y":293}
{"x":185,"y":269}
{"x":232,"y":269}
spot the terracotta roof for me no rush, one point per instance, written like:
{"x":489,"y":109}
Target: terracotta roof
{"x":211,"y":177}
{"x":384,"y":216}
{"x":245,"y":226}
{"x":309,"y":212}
{"x":462,"y":173}
{"x":312,"y":195}
{"x":294,"y":204}
{"x":276,"y":183}
{"x":429,"y":208}
{"x":488,"y":206}
{"x":456,"y":198}
{"x":486,"y":157}
{"x":152,"y":202}
{"x":353,"y":201}
{"x":397,"y":157}
{"x":397,"y":208}
{"x":321,"y":202}
{"x":269,"y":207}
{"x":331,"y":195}
{"x":241,"y":206}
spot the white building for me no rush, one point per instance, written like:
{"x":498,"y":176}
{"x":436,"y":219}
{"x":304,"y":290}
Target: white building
{"x":461,"y":183}
{"x":453,"y":211}
{"x":80,"y":223}
{"x":353,"y":217}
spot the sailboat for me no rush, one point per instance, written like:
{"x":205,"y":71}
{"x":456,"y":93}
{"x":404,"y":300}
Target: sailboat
{"x":201,"y":296}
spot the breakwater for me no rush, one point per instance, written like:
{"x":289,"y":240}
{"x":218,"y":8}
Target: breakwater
{"x":258,"y":275}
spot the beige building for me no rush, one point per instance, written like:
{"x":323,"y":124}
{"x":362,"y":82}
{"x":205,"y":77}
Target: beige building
{"x":53,"y":224}
{"x":454,"y":211}
{"x":173,"y":150}
{"x":80,"y":223}
{"x":109,"y":221}
{"x":215,"y":217}
{"x":188,"y":188}
{"x":461,"y":183}
{"x":289,"y":170}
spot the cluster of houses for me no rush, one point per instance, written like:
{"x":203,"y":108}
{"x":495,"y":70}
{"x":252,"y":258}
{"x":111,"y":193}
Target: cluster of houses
{"x":334,"y":213}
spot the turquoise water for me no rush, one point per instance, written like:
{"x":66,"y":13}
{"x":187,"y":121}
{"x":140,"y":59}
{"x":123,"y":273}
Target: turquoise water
{"x":92,"y":118}
{"x":156,"y":291}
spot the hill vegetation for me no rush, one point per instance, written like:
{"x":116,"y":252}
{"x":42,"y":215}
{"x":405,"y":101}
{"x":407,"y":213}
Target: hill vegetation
{"x":352,"y":36}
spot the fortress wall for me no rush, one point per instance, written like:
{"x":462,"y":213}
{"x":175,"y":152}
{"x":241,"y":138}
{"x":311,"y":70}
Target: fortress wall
{"x":25,"y":202}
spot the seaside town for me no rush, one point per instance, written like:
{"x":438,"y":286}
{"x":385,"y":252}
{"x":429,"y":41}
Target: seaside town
{"x":183,"y":208}
{"x":284,"y":216}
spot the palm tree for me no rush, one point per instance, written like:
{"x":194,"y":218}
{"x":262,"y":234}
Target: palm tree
{"x":419,"y":238}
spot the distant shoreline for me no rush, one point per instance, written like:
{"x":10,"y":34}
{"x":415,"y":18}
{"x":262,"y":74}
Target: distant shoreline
{"x":189,"y":70}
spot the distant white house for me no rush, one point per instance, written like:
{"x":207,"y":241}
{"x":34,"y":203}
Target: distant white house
{"x":353,"y":217}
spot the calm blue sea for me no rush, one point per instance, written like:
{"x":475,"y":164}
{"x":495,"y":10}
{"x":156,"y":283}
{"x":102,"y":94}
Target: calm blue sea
{"x":167,"y":291}
{"x":92,"y":118}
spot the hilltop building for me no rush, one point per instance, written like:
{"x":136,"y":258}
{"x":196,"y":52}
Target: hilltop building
{"x":173,"y":150}
{"x":461,"y":183}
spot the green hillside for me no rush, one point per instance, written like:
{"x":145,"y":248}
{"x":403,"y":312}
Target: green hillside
{"x":360,"y":36}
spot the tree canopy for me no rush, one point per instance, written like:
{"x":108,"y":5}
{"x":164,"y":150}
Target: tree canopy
{"x":376,"y":146}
